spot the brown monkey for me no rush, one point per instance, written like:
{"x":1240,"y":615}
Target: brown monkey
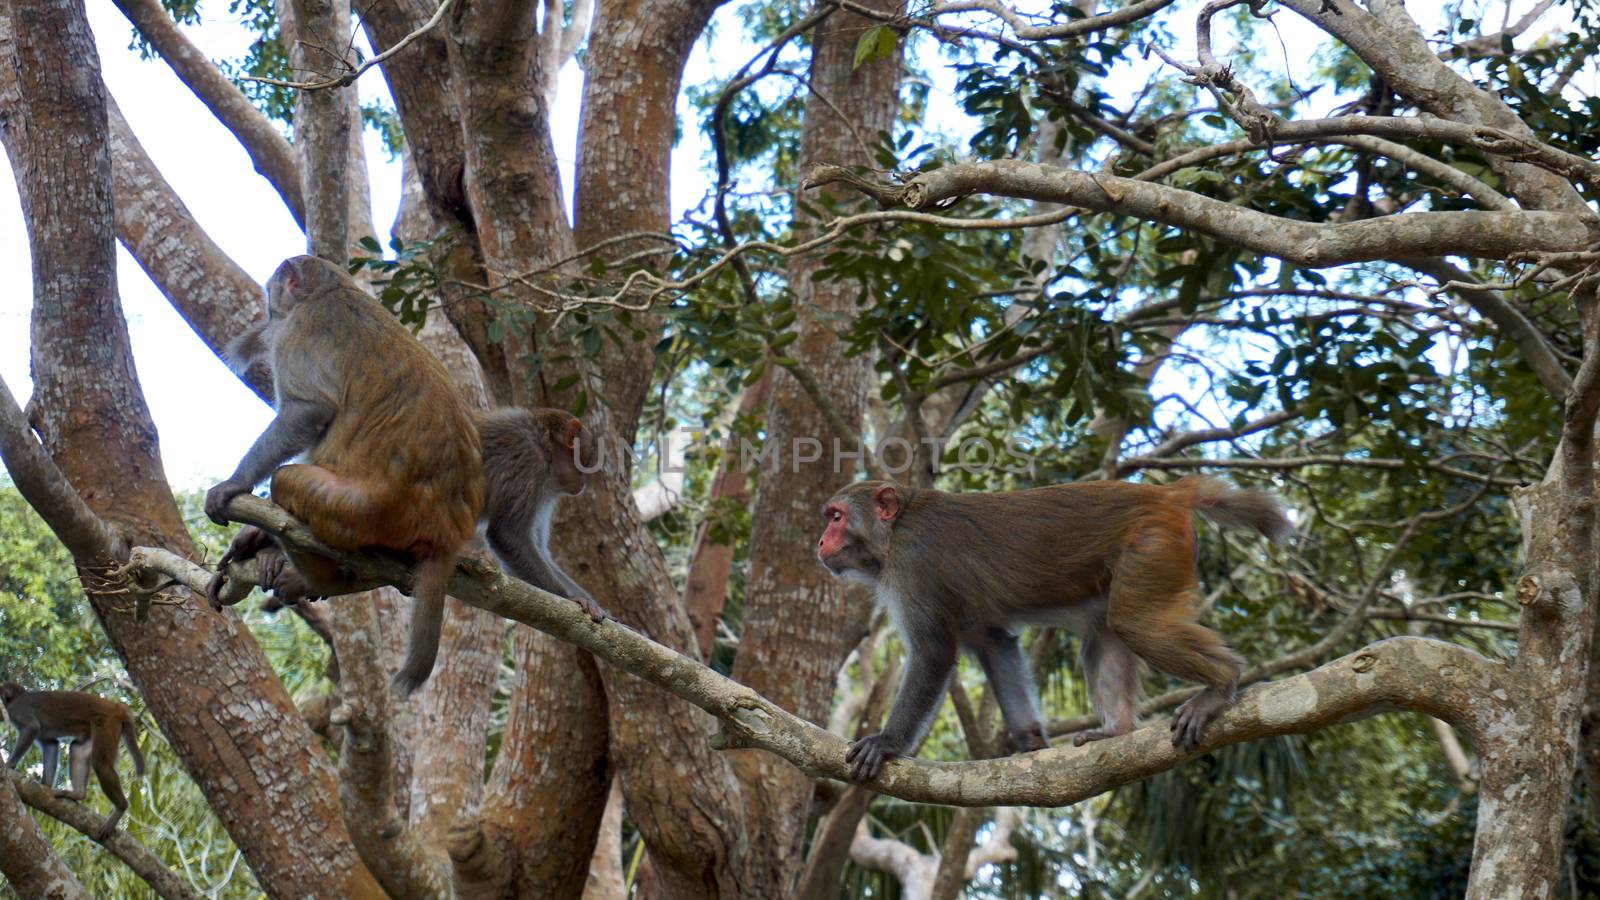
{"x":531,"y":459}
{"x":1113,"y":561}
{"x":392,"y":458}
{"x":93,"y":723}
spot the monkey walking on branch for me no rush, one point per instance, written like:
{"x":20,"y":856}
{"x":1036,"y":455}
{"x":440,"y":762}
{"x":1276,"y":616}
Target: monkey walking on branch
{"x":92,"y":723}
{"x":1112,"y":561}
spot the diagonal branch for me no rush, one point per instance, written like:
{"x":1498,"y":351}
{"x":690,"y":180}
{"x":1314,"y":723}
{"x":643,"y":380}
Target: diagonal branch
{"x":268,"y":150}
{"x":1490,"y":234}
{"x":1442,"y":680}
{"x":162,"y":880}
{"x":35,"y":474}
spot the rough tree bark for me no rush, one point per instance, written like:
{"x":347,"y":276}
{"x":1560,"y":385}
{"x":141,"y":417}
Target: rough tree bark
{"x":203,"y":678}
{"x":29,"y":865}
{"x":800,"y":622}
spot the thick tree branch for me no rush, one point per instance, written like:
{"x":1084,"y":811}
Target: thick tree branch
{"x":216,"y":296}
{"x":1442,"y":680}
{"x":162,"y":880}
{"x":268,"y":150}
{"x":1490,"y":234}
{"x":27,"y":862}
{"x":46,"y":489}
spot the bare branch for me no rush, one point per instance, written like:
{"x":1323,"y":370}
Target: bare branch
{"x":350,"y":77}
{"x":268,"y":151}
{"x":1495,"y":235}
{"x":162,"y":880}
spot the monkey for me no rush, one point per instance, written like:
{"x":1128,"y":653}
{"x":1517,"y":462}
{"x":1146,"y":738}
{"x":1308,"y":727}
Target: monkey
{"x":392,"y":460}
{"x":93,"y":723}
{"x":531,"y":459}
{"x":1112,"y":561}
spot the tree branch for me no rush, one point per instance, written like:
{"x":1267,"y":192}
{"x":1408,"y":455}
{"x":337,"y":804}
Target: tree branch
{"x":1442,"y":680}
{"x":85,"y":534}
{"x":1490,"y":234}
{"x":162,"y":880}
{"x":268,"y":150}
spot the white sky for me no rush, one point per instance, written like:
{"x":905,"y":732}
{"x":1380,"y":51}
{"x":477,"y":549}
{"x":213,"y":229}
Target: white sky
{"x":205,"y":417}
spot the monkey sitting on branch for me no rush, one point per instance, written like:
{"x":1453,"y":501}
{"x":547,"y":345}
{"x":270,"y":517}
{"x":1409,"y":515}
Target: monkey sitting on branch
{"x":392,"y":459}
{"x":531,"y":459}
{"x":92,"y":723}
{"x":1112,"y":561}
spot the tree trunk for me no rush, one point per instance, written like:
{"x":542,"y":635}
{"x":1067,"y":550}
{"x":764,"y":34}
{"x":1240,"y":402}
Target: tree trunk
{"x":202,"y":676}
{"x":800,"y":623}
{"x":30,"y":866}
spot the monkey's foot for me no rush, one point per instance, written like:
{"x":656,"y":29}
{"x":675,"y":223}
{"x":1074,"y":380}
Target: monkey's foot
{"x":1191,"y":719}
{"x":1098,"y":734}
{"x":593,"y":609}
{"x":1029,"y":740}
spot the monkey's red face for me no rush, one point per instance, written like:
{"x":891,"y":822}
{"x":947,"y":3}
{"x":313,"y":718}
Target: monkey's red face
{"x":855,"y":531}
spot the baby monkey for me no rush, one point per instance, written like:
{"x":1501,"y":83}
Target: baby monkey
{"x":1112,"y":561}
{"x":92,"y":723}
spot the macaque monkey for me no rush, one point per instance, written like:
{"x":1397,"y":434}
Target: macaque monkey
{"x":93,"y":723}
{"x":1112,"y":561}
{"x":531,"y":459}
{"x":392,"y":460}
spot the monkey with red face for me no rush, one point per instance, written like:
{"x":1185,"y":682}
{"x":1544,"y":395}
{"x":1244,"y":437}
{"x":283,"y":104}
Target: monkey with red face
{"x":1111,"y":561}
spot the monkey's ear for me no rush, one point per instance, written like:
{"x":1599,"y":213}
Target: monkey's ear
{"x":570,"y":434}
{"x":887,"y":503}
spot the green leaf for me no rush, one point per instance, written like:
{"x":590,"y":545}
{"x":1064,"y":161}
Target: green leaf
{"x":875,"y":43}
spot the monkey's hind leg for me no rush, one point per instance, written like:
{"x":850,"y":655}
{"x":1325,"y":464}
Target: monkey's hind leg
{"x":103,"y":753}
{"x":1111,"y":671}
{"x":341,"y":511}
{"x":1152,"y":598}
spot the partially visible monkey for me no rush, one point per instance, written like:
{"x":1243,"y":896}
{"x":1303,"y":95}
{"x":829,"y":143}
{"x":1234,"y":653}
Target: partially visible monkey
{"x":92,"y":723}
{"x":1112,"y":561}
{"x":392,"y":458}
{"x":531,"y":459}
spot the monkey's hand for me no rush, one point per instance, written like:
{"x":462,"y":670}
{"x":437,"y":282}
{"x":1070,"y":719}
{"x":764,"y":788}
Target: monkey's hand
{"x":868,"y":755}
{"x":596,"y":612}
{"x":218,"y":497}
{"x":247,"y":544}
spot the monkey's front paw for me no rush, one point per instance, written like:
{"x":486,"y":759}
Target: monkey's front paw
{"x":868,"y":755}
{"x":214,"y":589}
{"x":594,"y":610}
{"x":217,"y":498}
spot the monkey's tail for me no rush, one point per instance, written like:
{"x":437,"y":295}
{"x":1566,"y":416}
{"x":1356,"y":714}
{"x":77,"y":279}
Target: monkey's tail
{"x":132,"y":742}
{"x":1232,"y":507}
{"x":427,"y":619}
